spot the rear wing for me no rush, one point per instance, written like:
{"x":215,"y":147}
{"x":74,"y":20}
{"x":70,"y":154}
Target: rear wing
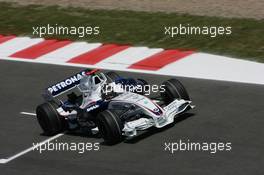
{"x":66,"y":84}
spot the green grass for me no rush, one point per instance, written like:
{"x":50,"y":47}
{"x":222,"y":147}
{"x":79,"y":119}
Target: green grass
{"x":140,"y":28}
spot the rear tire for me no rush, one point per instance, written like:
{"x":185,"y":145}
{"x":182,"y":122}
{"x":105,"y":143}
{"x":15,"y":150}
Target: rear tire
{"x":173,"y":90}
{"x":112,"y":76}
{"x":110,"y":126}
{"x":49,"y":119}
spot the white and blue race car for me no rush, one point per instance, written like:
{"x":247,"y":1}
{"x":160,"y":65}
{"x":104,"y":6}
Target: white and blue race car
{"x":115,"y":106}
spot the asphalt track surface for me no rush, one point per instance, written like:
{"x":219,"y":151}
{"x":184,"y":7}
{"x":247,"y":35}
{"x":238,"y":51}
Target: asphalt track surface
{"x":225,"y":112}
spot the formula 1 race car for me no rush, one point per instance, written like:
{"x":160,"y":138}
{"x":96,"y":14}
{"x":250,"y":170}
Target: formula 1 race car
{"x":118,"y":107}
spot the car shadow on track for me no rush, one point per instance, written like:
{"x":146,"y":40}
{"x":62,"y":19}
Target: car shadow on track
{"x":144,"y":134}
{"x":152,"y":131}
{"x":83,"y":133}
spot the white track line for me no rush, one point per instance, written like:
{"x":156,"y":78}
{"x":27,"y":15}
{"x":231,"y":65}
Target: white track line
{"x":6,"y":160}
{"x":28,"y":113}
{"x":208,"y":66}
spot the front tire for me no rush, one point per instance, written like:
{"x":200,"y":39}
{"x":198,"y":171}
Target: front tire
{"x":110,"y":126}
{"x":173,"y":89}
{"x":49,"y":119}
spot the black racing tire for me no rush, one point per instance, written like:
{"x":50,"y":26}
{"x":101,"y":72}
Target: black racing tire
{"x":49,"y":119}
{"x":110,"y":126}
{"x":144,"y":82}
{"x":173,"y":90}
{"x":111,"y":76}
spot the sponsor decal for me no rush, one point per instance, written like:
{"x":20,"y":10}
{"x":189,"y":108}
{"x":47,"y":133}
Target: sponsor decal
{"x":156,"y":110}
{"x":66,"y":84}
{"x":92,"y":108}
